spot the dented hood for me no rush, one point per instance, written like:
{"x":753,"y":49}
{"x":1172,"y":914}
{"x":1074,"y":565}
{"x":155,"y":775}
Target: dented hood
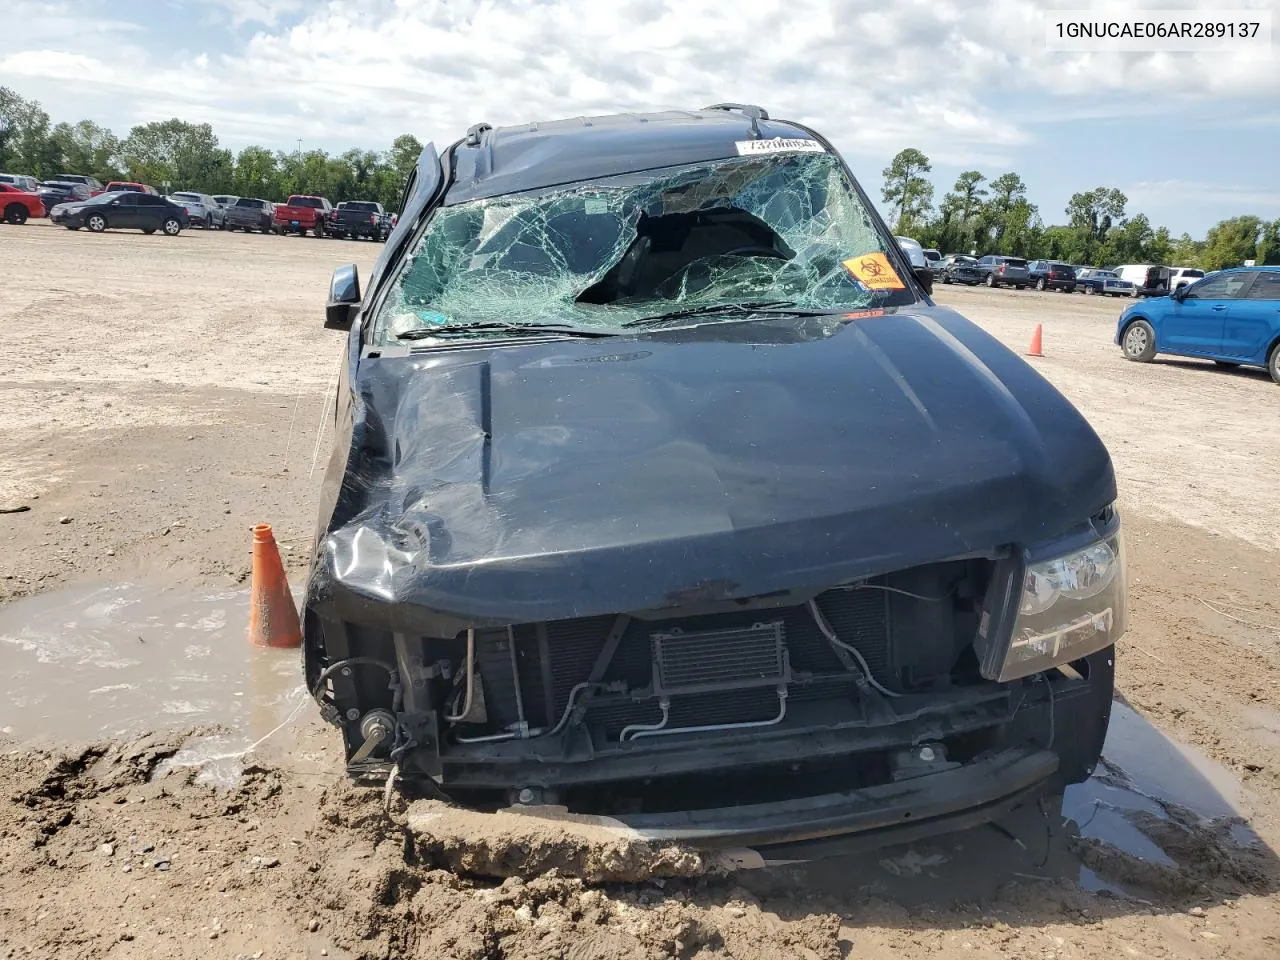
{"x":554,"y":479}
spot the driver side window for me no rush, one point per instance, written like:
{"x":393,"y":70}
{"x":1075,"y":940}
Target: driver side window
{"x":1226,"y":286}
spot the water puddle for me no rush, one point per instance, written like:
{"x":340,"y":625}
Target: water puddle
{"x":98,"y":661}
{"x":1141,"y":772}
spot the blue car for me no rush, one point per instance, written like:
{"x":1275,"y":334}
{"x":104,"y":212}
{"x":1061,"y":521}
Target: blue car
{"x":1231,"y":317}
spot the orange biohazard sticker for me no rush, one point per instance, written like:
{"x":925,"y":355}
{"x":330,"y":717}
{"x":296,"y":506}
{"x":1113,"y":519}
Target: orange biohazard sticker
{"x":862,"y":314}
{"x":873,"y":269}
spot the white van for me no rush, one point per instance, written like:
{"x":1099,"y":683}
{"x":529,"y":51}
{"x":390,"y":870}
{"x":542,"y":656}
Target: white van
{"x":1148,"y":279}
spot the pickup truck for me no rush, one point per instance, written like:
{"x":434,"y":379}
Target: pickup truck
{"x":353,"y":219}
{"x":301,"y":214}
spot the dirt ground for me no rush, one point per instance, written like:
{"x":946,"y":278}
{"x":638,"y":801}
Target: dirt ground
{"x":165,"y":394}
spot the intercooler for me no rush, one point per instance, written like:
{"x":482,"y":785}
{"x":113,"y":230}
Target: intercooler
{"x":722,"y":668}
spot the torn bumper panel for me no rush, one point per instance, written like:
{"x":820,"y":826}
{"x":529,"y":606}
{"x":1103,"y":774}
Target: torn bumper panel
{"x":985,"y":788}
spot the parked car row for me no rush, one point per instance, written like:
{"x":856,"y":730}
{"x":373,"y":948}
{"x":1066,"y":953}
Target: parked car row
{"x":1130,"y":280}
{"x":349,"y":220}
{"x":76,"y":201}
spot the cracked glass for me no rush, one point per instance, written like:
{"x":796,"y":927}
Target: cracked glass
{"x":597,"y":254}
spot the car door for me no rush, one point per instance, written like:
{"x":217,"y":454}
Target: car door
{"x":1253,"y":322}
{"x":122,"y":212}
{"x":1194,"y":325}
{"x":152,"y":211}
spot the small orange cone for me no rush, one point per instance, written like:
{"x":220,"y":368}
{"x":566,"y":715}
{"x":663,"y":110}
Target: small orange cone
{"x":1034,"y":349}
{"x":273,"y":619}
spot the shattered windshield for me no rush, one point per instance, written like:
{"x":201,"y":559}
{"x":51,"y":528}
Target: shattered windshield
{"x":779,"y":228}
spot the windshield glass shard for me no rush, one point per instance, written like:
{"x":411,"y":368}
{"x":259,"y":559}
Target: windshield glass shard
{"x":701,"y":240}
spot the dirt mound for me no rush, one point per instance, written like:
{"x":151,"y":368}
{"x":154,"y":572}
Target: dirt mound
{"x":530,"y":843}
{"x":106,"y":853}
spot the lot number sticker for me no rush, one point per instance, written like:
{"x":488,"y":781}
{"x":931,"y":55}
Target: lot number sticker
{"x":874,"y":270}
{"x":777,"y":145}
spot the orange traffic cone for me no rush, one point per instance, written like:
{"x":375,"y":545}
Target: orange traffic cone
{"x":1034,"y":349}
{"x":273,"y":619}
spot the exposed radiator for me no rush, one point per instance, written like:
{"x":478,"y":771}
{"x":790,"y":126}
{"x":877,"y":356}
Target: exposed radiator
{"x":718,"y":655}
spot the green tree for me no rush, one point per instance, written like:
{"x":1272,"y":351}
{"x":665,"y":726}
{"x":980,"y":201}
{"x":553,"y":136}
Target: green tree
{"x":1019,"y":230}
{"x":85,"y":147}
{"x":255,"y":175}
{"x":1231,"y":242}
{"x":176,"y":155}
{"x":1091,"y":214}
{"x":404,"y":154}
{"x":340,"y":180}
{"x":25,"y":146}
{"x":1007,"y":218}
{"x":363,"y":165}
{"x":958,"y":220}
{"x":1130,"y":242}
{"x":907,"y":191}
{"x":1269,"y":244}
{"x":1186,"y":252}
{"x":1160,"y":249}
{"x":387,"y":187}
{"x":1006,"y":190}
{"x":1059,"y":244}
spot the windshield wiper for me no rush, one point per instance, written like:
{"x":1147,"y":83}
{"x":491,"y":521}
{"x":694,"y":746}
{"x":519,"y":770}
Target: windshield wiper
{"x":424,"y":333}
{"x":779,"y":308}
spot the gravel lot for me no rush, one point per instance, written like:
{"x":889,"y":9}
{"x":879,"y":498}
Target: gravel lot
{"x":165,"y":394}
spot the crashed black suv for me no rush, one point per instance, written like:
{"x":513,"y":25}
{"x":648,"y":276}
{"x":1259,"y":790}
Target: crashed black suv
{"x":662,"y":491}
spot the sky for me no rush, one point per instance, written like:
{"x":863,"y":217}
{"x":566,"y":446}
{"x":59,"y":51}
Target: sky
{"x":1190,"y":138}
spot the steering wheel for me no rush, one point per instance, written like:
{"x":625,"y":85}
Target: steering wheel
{"x":753,"y":251}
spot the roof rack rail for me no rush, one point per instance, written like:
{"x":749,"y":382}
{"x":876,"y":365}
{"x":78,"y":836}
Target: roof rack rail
{"x":748,"y":109}
{"x":475,"y":131}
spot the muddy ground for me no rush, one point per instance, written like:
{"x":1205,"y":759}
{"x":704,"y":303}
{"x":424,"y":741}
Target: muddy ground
{"x":165,"y":394}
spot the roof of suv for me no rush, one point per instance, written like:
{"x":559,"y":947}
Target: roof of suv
{"x":532,"y":156}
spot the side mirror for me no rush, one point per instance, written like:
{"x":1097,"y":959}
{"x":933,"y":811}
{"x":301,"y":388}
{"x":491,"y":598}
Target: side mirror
{"x":925,"y":276}
{"x":1180,"y":294}
{"x":344,"y":298}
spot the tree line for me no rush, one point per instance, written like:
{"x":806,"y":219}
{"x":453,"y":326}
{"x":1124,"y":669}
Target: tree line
{"x":995,"y":216}
{"x":978,"y":214}
{"x":175,"y":155}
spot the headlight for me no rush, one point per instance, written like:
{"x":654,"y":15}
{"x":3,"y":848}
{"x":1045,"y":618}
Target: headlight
{"x":1068,"y":607}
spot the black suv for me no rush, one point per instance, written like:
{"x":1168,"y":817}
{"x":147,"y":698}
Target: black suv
{"x":662,"y":491}
{"x":1052,"y":275}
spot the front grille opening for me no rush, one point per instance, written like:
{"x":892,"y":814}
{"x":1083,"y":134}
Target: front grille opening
{"x":913,"y":630}
{"x":763,"y":784}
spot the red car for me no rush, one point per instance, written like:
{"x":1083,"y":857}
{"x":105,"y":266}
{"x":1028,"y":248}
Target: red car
{"x":116,"y":186}
{"x":16,"y":205}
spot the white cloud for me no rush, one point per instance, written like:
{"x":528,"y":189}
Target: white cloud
{"x":364,"y":73}
{"x":959,"y":80}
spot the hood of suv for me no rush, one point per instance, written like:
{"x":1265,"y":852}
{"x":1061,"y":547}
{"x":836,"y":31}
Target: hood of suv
{"x":554,"y":479}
